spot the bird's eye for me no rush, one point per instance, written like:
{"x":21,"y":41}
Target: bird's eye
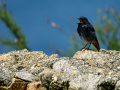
{"x":80,"y":21}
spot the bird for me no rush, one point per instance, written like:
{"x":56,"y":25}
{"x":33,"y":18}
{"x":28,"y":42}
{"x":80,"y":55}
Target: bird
{"x":87,"y":33}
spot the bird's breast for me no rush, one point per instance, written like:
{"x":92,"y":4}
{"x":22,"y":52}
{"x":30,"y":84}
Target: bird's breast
{"x":85,"y":34}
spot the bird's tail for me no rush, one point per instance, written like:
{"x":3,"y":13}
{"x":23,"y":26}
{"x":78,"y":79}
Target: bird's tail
{"x":96,"y":44}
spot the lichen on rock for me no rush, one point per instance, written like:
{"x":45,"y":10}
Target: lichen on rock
{"x":86,"y":70}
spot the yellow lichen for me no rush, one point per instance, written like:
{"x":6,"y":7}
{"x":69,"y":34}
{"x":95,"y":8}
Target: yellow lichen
{"x":17,"y":57}
{"x":7,"y":64}
{"x":39,"y":64}
{"x":27,"y":60}
{"x":16,"y":64}
{"x":83,"y":49}
{"x":27,"y":65}
{"x":31,"y":56}
{"x":29,"y":53}
{"x":36,"y":66}
{"x":73,"y":72}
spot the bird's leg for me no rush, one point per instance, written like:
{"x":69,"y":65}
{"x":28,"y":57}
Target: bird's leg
{"x":84,"y":46}
{"x":89,"y":45}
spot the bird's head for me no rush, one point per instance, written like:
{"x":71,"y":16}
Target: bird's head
{"x":83,"y":20}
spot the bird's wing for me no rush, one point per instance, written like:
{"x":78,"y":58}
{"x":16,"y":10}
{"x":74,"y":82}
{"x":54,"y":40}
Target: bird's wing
{"x":91,"y":28}
{"x":95,"y":42}
{"x":82,"y":28}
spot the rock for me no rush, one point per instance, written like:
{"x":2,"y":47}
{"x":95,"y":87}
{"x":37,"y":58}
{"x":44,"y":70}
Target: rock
{"x":36,"y":71}
{"x":35,"y":86}
{"x":5,"y":76}
{"x":8,"y":58}
{"x":86,"y":70}
{"x":60,"y":66}
{"x":26,"y":76}
{"x":117,"y":87}
{"x":92,"y":82}
{"x":3,"y":88}
{"x":53,"y":56}
{"x":63,"y":66}
{"x":118,"y":68}
{"x":18,"y":84}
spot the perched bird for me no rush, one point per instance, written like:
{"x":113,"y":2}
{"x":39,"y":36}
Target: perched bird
{"x":87,"y":32}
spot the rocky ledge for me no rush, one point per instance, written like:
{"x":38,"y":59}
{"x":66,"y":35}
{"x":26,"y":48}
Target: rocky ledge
{"x":86,"y":70}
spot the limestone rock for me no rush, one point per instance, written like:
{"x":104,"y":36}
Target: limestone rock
{"x":35,"y":86}
{"x":26,"y":76}
{"x":18,"y":84}
{"x":86,"y":70}
{"x":3,"y":88}
{"x":117,"y":87}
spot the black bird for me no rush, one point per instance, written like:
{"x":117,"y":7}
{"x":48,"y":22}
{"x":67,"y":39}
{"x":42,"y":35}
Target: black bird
{"x":87,"y":32}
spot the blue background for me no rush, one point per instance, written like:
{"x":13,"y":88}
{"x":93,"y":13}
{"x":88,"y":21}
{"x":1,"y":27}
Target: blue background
{"x":31,"y":16}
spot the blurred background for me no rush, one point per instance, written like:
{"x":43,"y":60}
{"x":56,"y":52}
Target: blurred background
{"x":50,"y":26}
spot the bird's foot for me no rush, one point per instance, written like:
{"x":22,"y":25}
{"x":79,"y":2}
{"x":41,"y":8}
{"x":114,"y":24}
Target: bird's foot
{"x":83,"y":49}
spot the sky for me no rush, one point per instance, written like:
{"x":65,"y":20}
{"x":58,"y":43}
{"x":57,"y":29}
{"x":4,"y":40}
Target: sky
{"x":31,"y":16}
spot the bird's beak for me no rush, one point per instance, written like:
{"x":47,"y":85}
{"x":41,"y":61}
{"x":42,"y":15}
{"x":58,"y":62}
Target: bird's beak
{"x":80,"y":21}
